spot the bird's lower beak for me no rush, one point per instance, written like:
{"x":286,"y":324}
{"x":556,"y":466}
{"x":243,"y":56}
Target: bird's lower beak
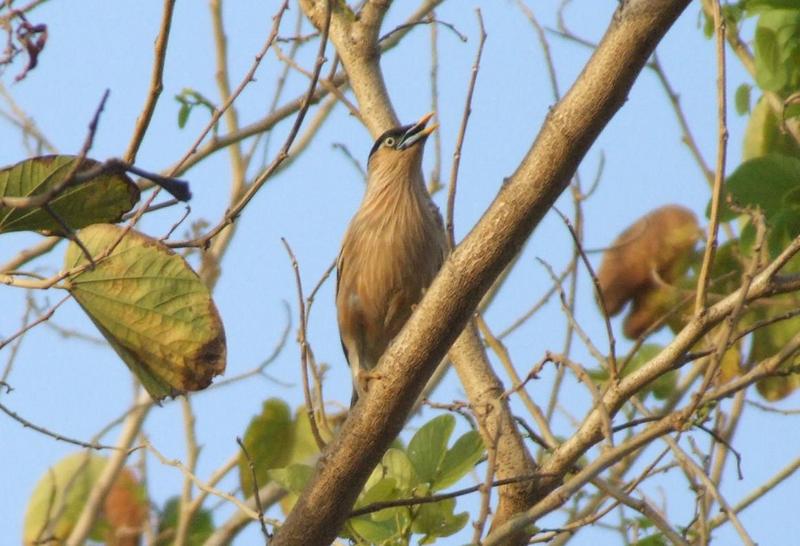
{"x":419,"y":131}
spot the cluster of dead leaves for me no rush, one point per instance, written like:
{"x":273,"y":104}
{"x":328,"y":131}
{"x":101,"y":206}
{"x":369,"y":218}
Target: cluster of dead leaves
{"x":642,"y":265}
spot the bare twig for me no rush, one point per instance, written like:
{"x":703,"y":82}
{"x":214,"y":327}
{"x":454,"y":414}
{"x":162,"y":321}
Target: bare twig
{"x":256,"y":495}
{"x":111,"y":470}
{"x":303,"y":342}
{"x":276,"y":19}
{"x":416,"y":501}
{"x":486,"y":490}
{"x":252,"y":514}
{"x":55,"y":435}
{"x":70,"y":178}
{"x":342,"y":147}
{"x":185,"y":515}
{"x":451,"y":190}
{"x":719,"y":175}
{"x":612,"y":357}
{"x":25,"y":256}
{"x":429,"y":21}
{"x":42,"y":318}
{"x":156,"y":83}
{"x":551,"y":69}
{"x":236,"y":210}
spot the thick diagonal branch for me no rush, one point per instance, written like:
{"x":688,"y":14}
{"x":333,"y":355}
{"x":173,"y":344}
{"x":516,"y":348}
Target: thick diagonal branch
{"x":527,"y":195}
{"x":356,"y":40}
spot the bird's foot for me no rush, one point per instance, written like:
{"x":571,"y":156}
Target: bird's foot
{"x":363,"y":379}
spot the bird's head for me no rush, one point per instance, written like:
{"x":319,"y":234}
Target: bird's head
{"x":400,"y":149}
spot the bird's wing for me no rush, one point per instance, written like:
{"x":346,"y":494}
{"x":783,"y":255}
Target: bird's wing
{"x":339,"y":264}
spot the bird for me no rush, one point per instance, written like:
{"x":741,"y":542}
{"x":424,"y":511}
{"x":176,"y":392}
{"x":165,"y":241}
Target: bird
{"x":393,"y":248}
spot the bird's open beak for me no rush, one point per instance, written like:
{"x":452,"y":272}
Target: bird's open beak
{"x":419,"y":131}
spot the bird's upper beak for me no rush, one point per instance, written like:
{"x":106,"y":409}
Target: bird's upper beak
{"x":418,"y":132}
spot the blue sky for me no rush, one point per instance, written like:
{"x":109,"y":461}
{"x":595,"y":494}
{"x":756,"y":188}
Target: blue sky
{"x":75,"y":388}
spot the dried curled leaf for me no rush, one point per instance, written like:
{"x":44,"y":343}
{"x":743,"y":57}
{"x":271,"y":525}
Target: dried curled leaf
{"x":646,"y":258}
{"x":152,"y":308}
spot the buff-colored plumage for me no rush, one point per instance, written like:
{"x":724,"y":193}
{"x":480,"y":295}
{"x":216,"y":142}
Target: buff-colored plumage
{"x":392,"y":250}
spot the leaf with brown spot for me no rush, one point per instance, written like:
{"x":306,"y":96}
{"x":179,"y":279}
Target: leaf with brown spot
{"x":152,"y":308}
{"x":60,"y":495}
{"x":104,"y":198}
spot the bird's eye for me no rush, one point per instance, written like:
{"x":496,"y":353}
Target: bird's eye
{"x":390,"y":141}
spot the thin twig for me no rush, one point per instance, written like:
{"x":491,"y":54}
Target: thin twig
{"x":42,"y":318}
{"x":156,"y":83}
{"x":517,"y":383}
{"x":111,"y":470}
{"x":536,"y":306}
{"x":435,"y":179}
{"x":303,"y":342}
{"x":451,"y":189}
{"x":233,"y":213}
{"x":719,"y":175}
{"x":342,"y":147}
{"x":25,"y":256}
{"x":185,"y":515}
{"x":416,"y":501}
{"x":429,"y":21}
{"x":259,"y":370}
{"x":486,"y":489}
{"x":55,"y":435}
{"x":43,"y":198}
{"x":757,"y":493}
{"x":551,"y":68}
{"x":249,"y":77}
{"x":68,"y":232}
{"x":612,"y":357}
{"x":256,"y":495}
{"x":252,"y":514}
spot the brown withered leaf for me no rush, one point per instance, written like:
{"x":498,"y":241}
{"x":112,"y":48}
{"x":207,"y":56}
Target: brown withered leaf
{"x":657,"y":247}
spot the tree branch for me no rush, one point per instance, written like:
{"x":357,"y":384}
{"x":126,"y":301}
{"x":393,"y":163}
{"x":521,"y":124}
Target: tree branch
{"x":570,"y":129}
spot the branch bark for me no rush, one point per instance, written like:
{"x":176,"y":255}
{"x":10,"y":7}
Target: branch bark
{"x":570,"y":129}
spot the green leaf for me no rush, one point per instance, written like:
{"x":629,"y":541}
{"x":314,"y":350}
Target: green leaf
{"x":201,"y":526}
{"x":459,"y":460}
{"x":103,"y":198}
{"x":767,"y":342}
{"x":59,"y":497}
{"x":791,"y":109}
{"x":726,"y":272}
{"x":269,"y":440}
{"x":777,"y":43}
{"x":292,"y":478}
{"x":151,"y":307}
{"x":374,"y":532}
{"x":384,"y":489}
{"x":743,"y":99}
{"x":756,"y":5}
{"x":183,"y":115}
{"x":784,"y":226}
{"x":428,"y":446}
{"x":399,"y":467}
{"x":764,"y":134}
{"x":762,"y":182}
{"x":653,"y":540}
{"x":436,"y":519}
